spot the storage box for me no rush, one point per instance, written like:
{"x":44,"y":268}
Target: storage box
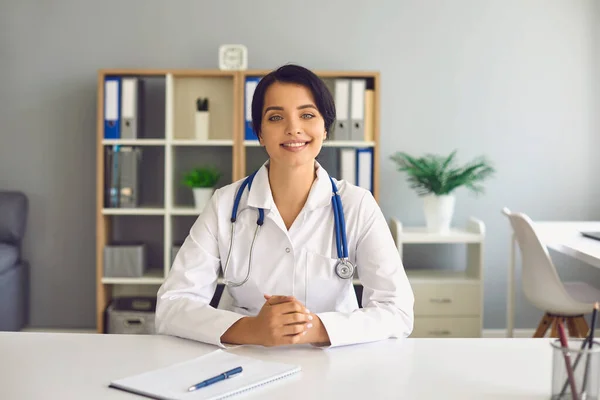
{"x":131,"y":315}
{"x":124,"y":261}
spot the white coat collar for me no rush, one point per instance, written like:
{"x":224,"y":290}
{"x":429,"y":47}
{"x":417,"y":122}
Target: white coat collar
{"x":261,"y":196}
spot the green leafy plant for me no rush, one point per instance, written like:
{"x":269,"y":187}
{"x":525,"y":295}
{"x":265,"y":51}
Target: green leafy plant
{"x":202,"y":177}
{"x":434,"y":174}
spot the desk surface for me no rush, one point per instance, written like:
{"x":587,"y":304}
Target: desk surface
{"x":565,"y":237}
{"x":69,"y":366}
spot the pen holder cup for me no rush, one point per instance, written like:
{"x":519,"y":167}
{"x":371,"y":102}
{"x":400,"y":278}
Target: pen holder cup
{"x":585,"y":366}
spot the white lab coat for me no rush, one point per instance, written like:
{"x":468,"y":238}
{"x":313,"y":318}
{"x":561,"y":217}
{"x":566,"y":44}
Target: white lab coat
{"x":298,"y":262}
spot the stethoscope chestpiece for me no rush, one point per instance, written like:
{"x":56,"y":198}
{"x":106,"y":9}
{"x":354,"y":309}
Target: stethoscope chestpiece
{"x":344,"y":268}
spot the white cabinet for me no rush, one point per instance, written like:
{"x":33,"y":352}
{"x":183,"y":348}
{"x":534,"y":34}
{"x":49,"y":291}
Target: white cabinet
{"x":448,"y":303}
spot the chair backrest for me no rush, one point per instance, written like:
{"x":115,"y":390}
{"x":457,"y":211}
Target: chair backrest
{"x":540,"y":281}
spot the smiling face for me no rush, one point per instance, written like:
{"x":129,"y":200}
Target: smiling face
{"x":292,"y":129}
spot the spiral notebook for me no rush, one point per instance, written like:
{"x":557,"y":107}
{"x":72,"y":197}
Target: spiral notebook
{"x":171,"y":383}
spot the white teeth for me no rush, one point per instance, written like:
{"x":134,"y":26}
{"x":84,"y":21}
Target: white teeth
{"x":294,"y":144}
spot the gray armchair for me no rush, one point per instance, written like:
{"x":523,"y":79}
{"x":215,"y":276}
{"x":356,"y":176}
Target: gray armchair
{"x":14,"y":271}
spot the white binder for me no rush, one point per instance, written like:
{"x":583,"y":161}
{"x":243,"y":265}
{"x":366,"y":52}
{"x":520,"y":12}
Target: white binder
{"x":364,"y":175}
{"x":342,"y":108}
{"x":357,"y":109}
{"x":130,"y":108}
{"x":348,"y":165}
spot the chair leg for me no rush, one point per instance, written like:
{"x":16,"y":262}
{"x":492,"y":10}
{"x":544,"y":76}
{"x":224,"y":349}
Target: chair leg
{"x":554,"y":332}
{"x":583,"y":326}
{"x":572,"y":327}
{"x":543,"y":326}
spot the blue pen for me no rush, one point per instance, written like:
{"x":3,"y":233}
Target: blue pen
{"x":215,"y":379}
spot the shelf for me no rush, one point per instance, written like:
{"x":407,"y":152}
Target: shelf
{"x":473,"y":233}
{"x":421,"y":235}
{"x":185,"y":211}
{"x":320,"y":73}
{"x":154,"y":276}
{"x":193,"y":142}
{"x":347,"y":143}
{"x":432,"y":275}
{"x":133,"y":211}
{"x":134,"y":142}
{"x":170,"y":148}
{"x":326,"y":143}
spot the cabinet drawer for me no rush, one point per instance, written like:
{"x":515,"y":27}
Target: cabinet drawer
{"x":447,"y":299}
{"x":449,"y":327}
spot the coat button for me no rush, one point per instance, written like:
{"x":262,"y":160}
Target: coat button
{"x":287,"y":249}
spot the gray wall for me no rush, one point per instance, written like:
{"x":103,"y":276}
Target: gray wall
{"x":514,"y":80}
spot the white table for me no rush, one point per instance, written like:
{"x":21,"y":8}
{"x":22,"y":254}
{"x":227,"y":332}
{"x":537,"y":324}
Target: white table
{"x":80,"y":366}
{"x":564,"y":237}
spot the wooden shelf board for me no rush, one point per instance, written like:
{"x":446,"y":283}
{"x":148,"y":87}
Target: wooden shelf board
{"x":421,"y":235}
{"x":185,"y":211}
{"x":133,"y":211}
{"x":321,"y":74}
{"x":347,"y":143}
{"x":429,"y":275}
{"x":193,"y":142}
{"x":134,"y":142}
{"x":134,"y":72}
{"x":154,"y":276}
{"x":210,"y":73}
{"x":327,"y":143}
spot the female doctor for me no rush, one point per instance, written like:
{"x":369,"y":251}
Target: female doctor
{"x":287,"y":241}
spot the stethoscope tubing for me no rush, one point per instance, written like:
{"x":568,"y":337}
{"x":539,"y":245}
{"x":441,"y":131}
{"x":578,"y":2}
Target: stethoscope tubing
{"x":339,"y":225}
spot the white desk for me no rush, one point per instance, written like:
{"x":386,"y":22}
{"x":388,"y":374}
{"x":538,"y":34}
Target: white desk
{"x":80,"y":366}
{"x":564,"y":237}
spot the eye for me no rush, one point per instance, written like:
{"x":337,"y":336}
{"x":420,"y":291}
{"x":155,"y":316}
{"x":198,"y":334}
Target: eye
{"x":307,"y":116}
{"x":275,"y":118}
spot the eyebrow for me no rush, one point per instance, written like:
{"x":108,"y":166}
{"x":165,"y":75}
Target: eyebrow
{"x":278,"y":108}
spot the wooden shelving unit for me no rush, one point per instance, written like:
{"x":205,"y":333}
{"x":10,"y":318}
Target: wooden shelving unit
{"x":172,"y":148}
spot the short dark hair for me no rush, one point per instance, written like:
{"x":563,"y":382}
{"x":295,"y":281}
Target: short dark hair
{"x":299,"y":75}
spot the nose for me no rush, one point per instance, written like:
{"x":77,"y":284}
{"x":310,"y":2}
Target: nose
{"x":293,"y":128}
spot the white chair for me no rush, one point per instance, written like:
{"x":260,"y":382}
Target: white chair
{"x":542,"y":286}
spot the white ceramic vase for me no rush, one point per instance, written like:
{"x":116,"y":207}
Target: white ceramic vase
{"x":201,"y":126}
{"x":202,"y":197}
{"x":438,"y":212}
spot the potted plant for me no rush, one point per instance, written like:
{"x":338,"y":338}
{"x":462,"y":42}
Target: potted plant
{"x":202,"y":180}
{"x":436,"y":177}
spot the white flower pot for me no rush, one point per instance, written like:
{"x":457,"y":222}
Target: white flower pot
{"x":438,"y":212}
{"x":202,"y":197}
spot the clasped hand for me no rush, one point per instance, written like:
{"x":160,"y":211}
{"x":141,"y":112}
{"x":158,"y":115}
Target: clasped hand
{"x":282,"y":320}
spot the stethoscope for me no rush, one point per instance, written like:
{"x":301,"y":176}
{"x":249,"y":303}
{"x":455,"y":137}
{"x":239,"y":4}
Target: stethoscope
{"x":343,"y":268}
